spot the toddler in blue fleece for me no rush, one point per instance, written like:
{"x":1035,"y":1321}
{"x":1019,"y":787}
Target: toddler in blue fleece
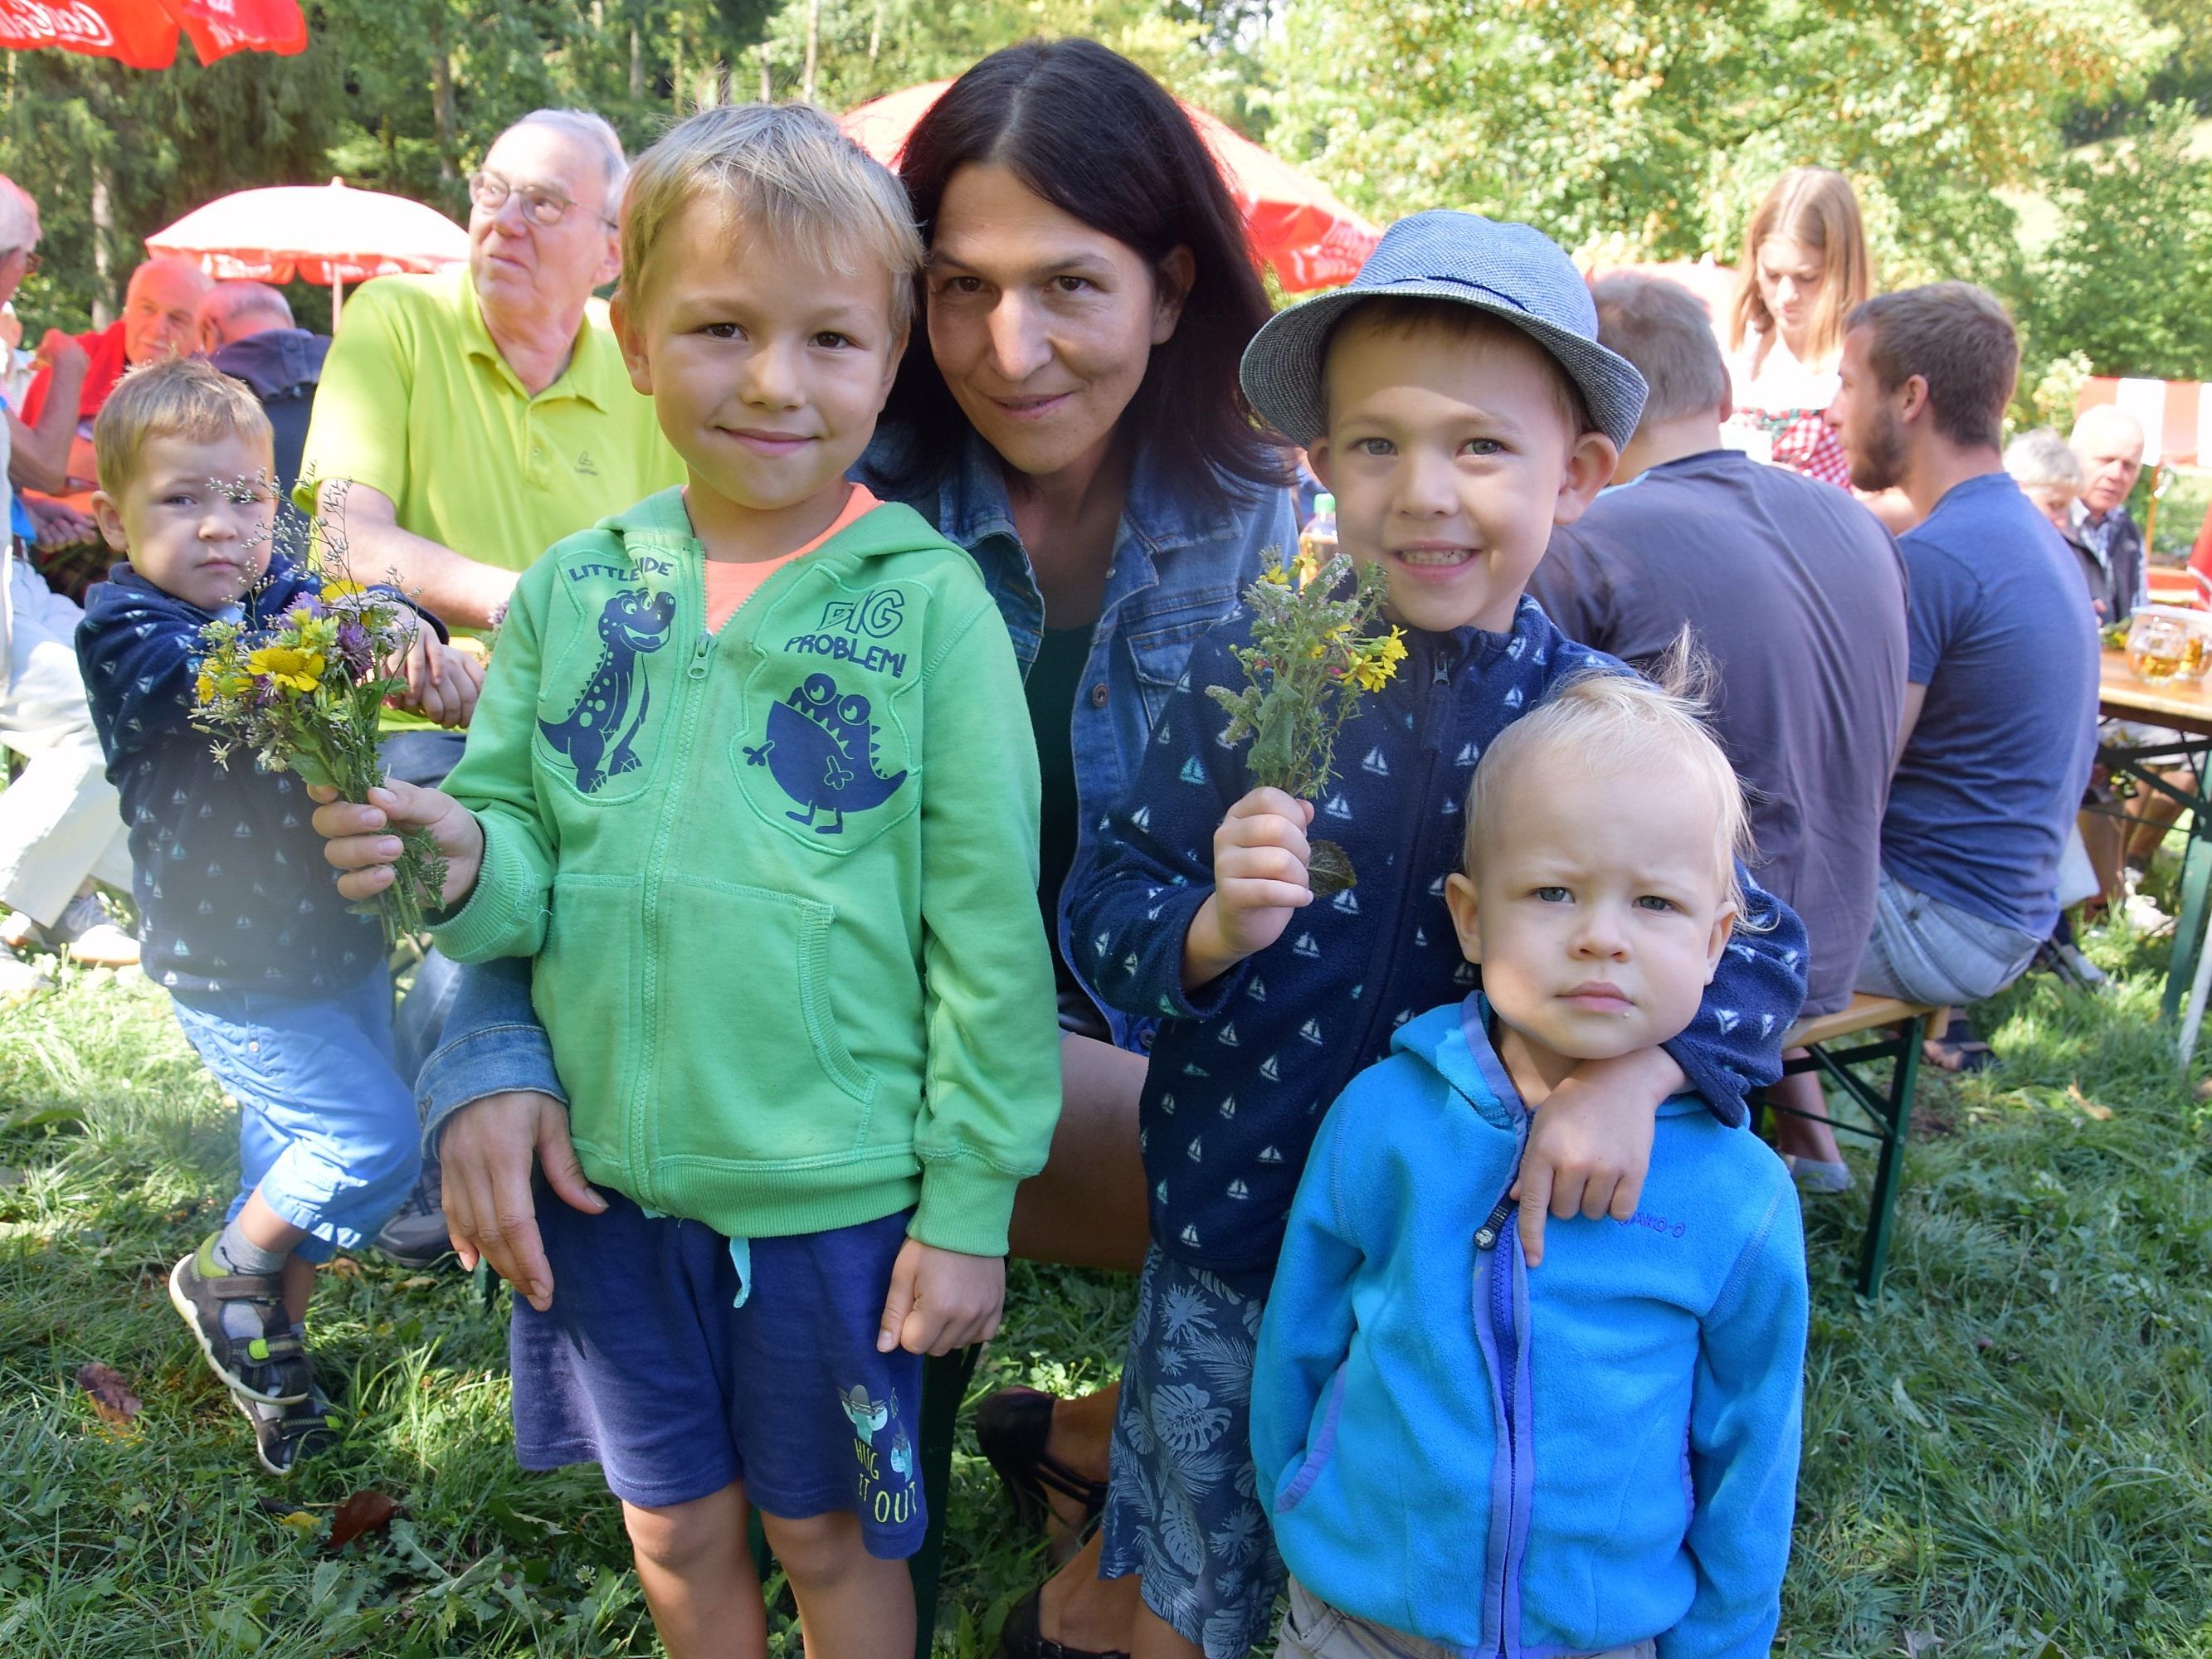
{"x":1612,"y":1441}
{"x":1454,"y":398}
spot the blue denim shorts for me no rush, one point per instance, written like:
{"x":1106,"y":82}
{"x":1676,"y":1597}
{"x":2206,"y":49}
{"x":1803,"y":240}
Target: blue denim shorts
{"x":1182,"y":1504}
{"x":644,"y":1366}
{"x":1926,"y":951}
{"x":326,"y":1130}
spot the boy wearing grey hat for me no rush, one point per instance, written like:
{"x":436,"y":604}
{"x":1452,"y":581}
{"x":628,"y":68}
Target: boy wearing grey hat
{"x":1455,"y":399}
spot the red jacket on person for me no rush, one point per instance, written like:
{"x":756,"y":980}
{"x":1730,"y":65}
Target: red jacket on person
{"x":104,"y":347}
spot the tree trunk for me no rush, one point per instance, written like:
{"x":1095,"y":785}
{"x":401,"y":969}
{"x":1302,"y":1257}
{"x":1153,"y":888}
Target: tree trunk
{"x":876,"y":33}
{"x":442,"y":99}
{"x":636,"y":63}
{"x":103,"y":226}
{"x":767,"y":91}
{"x":813,"y":47}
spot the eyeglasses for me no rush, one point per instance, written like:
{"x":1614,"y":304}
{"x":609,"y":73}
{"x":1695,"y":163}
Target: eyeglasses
{"x":540,"y":206}
{"x":30,"y":259}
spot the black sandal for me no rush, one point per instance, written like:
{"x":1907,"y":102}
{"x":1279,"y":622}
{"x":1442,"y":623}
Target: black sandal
{"x":1022,"y":1637}
{"x":1012,"y":1427}
{"x":1958,"y":1050}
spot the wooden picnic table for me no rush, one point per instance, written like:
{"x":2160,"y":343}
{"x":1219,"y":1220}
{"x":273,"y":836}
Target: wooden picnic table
{"x":2183,"y":714}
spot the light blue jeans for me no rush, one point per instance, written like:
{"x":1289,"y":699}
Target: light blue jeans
{"x":326,"y":1129}
{"x":1926,"y":951}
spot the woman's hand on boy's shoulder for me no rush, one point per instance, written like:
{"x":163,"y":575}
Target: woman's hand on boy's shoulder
{"x":941,"y":1300}
{"x":361,"y":839}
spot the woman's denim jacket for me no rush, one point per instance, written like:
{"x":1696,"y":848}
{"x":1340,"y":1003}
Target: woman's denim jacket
{"x":1176,"y":568}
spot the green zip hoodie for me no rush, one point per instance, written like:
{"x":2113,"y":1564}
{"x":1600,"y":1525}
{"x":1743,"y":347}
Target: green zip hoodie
{"x":779,"y":880}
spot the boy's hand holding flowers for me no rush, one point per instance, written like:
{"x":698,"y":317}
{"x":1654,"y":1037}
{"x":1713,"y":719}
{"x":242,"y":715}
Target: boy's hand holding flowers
{"x":1260,"y":860}
{"x":363,"y":838}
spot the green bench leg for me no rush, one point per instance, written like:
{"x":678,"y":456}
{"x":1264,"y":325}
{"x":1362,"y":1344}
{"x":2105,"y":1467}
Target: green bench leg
{"x":943,"y":1386}
{"x":2188,"y":926}
{"x":1889,"y":1163}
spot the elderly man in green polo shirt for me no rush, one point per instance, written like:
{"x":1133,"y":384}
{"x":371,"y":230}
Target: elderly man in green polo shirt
{"x":467,"y":422}
{"x":470,"y":420}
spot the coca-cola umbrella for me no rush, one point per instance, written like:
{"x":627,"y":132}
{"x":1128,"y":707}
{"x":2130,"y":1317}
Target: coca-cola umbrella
{"x":1292,"y":221}
{"x":319,"y":233}
{"x":143,"y":33}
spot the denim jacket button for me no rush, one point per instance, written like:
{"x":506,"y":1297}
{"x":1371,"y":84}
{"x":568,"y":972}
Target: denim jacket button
{"x":1098,"y":695}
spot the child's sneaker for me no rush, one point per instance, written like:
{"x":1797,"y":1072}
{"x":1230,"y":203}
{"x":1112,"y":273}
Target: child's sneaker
{"x":283,"y":1435}
{"x":270,"y":1365}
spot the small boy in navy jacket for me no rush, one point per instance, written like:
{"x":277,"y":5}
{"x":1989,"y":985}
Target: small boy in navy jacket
{"x":282,"y":991}
{"x":1602,"y":1455}
{"x":1454,"y":398}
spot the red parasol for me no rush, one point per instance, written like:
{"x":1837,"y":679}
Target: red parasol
{"x":318,"y":232}
{"x":143,"y":33}
{"x":1292,"y":221}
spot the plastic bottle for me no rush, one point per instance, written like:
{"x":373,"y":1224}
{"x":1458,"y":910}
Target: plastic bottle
{"x":1317,"y":541}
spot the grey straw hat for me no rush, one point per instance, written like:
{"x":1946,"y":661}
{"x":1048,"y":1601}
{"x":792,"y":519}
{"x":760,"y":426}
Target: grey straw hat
{"x":1512,"y":271}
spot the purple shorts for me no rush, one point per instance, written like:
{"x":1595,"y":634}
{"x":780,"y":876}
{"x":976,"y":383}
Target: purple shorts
{"x":643,"y":1366}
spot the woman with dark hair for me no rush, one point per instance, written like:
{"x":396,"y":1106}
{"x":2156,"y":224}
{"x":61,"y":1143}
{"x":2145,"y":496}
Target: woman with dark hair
{"x":1069,"y":413}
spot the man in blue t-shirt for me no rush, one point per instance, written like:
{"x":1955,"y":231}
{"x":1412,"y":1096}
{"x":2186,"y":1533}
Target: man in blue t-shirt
{"x":2001,"y":704}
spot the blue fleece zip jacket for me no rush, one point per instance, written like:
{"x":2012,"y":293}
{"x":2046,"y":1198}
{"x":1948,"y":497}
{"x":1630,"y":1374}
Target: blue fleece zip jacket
{"x":1242,"y":1066}
{"x":234,"y":893}
{"x":1566,"y":1461}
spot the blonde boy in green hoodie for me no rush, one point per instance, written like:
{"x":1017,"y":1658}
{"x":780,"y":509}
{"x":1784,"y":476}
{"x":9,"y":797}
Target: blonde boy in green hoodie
{"x":752,"y":782}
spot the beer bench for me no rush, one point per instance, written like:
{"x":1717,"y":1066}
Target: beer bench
{"x":1847,"y":1046}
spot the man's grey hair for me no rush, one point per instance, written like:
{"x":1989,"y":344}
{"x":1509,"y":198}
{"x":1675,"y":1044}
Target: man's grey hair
{"x":2106,"y":418}
{"x":232,"y":302}
{"x":2041,"y":459}
{"x":19,"y":216}
{"x":595,"y":133}
{"x":1667,"y":332}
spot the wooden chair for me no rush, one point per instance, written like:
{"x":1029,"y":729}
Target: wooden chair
{"x":1893,"y":1031}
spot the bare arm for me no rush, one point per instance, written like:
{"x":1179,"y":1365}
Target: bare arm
{"x":461,"y":592}
{"x":1915,"y":696}
{"x":39,"y":456}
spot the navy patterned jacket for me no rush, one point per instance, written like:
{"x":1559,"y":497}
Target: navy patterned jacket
{"x":234,"y":893}
{"x":1243,"y":1068}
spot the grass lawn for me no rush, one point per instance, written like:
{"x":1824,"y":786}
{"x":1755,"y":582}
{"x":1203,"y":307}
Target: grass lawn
{"x":2010,"y":1455}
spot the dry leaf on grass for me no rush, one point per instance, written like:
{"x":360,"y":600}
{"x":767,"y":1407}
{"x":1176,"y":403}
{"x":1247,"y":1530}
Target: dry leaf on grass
{"x":363,"y":1512}
{"x":2087,"y":1107}
{"x":111,"y":1395}
{"x":287,"y":1514}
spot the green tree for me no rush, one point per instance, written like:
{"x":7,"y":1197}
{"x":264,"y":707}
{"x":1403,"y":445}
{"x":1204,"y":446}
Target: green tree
{"x":1656,"y":124}
{"x":2126,"y":279}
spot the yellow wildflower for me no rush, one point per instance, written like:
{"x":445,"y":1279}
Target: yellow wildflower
{"x":203,"y":688}
{"x":1276,"y":575}
{"x":294,"y":670}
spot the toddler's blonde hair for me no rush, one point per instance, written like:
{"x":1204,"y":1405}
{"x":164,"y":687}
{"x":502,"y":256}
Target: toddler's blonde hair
{"x":182,"y":397}
{"x":1604,"y":721}
{"x":791,"y":179}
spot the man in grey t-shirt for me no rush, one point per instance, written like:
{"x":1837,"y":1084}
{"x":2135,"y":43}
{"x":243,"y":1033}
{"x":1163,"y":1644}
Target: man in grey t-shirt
{"x":1794,"y":592}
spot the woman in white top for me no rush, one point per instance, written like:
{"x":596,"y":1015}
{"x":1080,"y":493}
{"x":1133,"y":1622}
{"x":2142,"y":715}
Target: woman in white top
{"x":1804,"y":268}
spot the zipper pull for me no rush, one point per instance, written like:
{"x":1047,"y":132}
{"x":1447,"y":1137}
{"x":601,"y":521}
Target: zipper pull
{"x":699,"y":656}
{"x":1487,"y":1236}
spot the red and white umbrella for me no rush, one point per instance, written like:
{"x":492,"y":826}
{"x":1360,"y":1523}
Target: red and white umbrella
{"x":1292,"y":221}
{"x":143,"y":33}
{"x":322,"y":233}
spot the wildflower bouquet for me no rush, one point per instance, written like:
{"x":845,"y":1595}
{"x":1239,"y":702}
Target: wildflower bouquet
{"x":303,"y":694}
{"x":1315,"y":653}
